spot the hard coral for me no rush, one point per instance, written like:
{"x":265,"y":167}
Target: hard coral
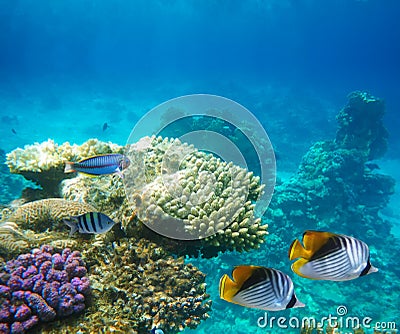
{"x":333,"y":183}
{"x":44,"y":163}
{"x":361,"y":127}
{"x":139,"y":286}
{"x":171,"y":185}
{"x":47,"y":213}
{"x":175,"y":187}
{"x":41,"y":286}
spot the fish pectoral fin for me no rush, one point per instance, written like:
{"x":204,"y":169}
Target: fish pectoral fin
{"x":227,"y":288}
{"x":314,"y":240}
{"x":297,"y":250}
{"x":72,"y":224}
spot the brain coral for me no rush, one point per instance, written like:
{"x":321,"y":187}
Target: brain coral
{"x":44,"y":163}
{"x":41,"y":286}
{"x":47,"y":213}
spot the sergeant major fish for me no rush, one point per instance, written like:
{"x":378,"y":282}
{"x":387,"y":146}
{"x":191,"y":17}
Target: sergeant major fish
{"x":99,"y":165}
{"x":90,"y":222}
{"x":259,"y":287}
{"x":330,"y":256}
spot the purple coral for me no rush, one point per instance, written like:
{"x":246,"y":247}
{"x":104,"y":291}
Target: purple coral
{"x":41,"y":286}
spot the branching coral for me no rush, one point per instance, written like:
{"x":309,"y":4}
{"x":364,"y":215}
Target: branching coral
{"x":136,"y":285}
{"x":104,"y":192}
{"x":180,"y":192}
{"x":44,"y":163}
{"x":184,"y":193}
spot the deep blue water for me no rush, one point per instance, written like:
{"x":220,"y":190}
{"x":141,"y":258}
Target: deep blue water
{"x":67,"y":67}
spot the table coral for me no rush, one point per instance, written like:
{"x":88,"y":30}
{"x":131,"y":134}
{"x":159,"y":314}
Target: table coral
{"x":47,"y":213}
{"x":44,"y":163}
{"x":41,"y":286}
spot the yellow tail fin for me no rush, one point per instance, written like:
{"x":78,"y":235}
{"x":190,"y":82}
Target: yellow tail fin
{"x":297,"y":250}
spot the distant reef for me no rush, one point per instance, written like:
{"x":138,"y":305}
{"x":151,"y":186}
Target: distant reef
{"x":11,"y":185}
{"x":337,"y":187}
{"x":138,"y":281}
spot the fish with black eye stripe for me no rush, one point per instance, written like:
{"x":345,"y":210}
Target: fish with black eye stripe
{"x":330,"y":256}
{"x":259,"y":287}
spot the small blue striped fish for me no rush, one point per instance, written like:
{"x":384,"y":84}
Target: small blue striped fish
{"x":90,"y":222}
{"x":259,"y":287}
{"x":99,"y":165}
{"x":330,"y":256}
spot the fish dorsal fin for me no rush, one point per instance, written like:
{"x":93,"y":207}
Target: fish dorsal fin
{"x":228,"y":288}
{"x":241,"y":274}
{"x":297,"y":250}
{"x":315,"y":240}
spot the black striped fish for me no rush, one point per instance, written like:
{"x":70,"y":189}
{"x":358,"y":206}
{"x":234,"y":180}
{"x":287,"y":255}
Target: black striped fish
{"x":99,"y":165}
{"x":90,"y":222}
{"x":259,"y":287}
{"x":330,"y":256}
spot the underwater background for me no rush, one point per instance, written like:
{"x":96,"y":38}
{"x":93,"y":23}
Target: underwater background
{"x":75,"y":70}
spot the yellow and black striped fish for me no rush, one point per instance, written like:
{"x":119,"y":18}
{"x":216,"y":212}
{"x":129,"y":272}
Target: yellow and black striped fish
{"x":90,"y":222}
{"x":330,"y":256}
{"x":259,"y":287}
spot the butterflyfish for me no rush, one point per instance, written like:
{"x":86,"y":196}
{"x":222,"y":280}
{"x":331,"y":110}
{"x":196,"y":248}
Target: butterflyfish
{"x":90,"y":222}
{"x":330,"y":256}
{"x":99,"y":165}
{"x":259,"y":287}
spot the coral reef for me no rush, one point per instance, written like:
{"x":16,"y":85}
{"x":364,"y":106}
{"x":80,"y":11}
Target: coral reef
{"x":361,"y":127}
{"x":41,"y":286}
{"x":334,"y":184}
{"x":47,"y":213}
{"x":105,"y":193}
{"x":44,"y":163}
{"x":139,"y":284}
{"x":184,"y":193}
{"x":173,"y":186}
{"x":136,"y":286}
{"x":14,"y":240}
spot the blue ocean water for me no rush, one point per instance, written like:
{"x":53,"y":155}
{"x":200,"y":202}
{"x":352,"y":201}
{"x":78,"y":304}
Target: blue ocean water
{"x":68,"y":67}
